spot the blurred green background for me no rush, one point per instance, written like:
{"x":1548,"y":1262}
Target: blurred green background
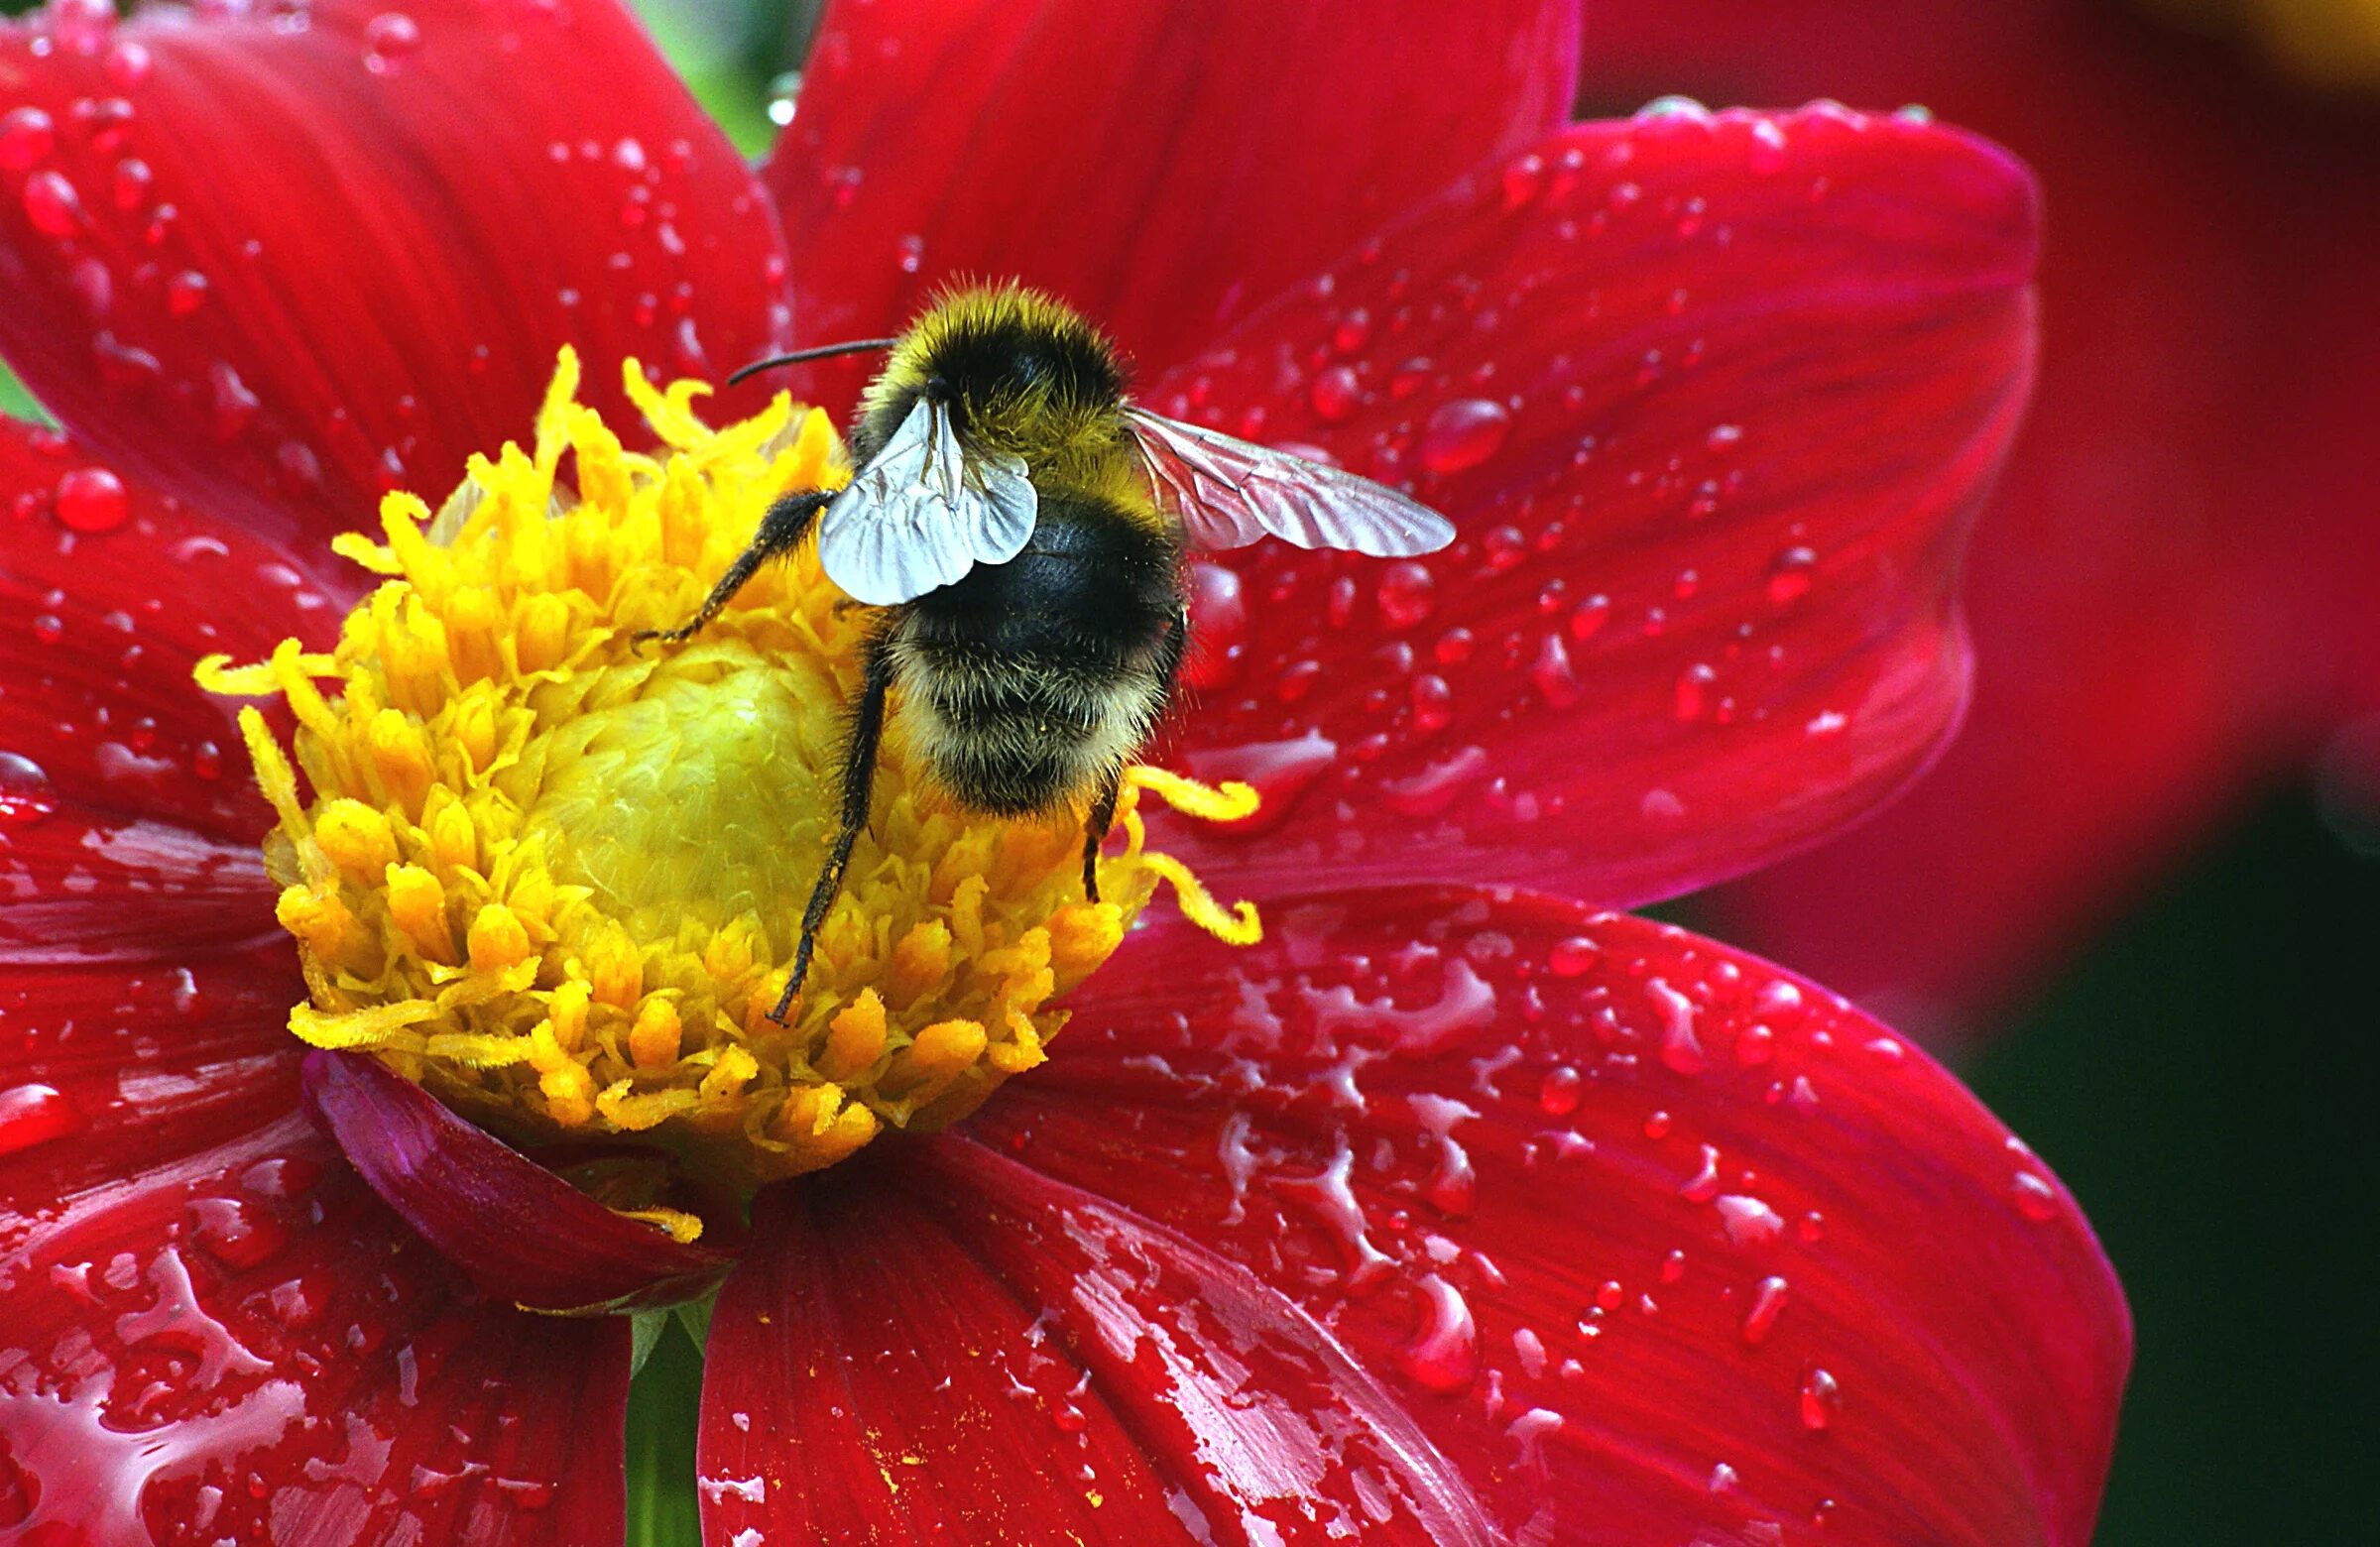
{"x":2203,"y":1077}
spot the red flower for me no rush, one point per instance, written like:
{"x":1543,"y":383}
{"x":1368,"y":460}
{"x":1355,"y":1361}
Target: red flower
{"x":1450,"y":1212}
{"x":2172,"y":599}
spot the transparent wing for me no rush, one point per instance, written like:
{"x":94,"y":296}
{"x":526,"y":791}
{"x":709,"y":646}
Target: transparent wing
{"x":1228,"y":492}
{"x":924,"y":511}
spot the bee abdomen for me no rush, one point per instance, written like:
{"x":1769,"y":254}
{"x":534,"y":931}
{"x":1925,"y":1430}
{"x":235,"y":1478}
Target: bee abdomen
{"x":1028,"y":735}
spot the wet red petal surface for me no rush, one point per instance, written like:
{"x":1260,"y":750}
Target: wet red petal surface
{"x":217,"y":1332}
{"x":288,"y":261}
{"x":2167,"y":591}
{"x":1165,"y":167}
{"x":1657,"y":1244}
{"x":521,"y":1233}
{"x":985,"y":1357}
{"x":117,"y":776}
{"x":1714,"y":402}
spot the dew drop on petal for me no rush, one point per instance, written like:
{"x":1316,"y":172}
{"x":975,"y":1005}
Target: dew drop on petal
{"x":389,"y":40}
{"x":1572,"y":955}
{"x":25,"y":795}
{"x":1768,"y":1303}
{"x":52,"y":206}
{"x":33,"y":1115}
{"x":1522,"y":178}
{"x":2036,"y":1199}
{"x":1769,"y":148}
{"x":1444,"y":1351}
{"x":26,"y":137}
{"x":1334,"y":393}
{"x":1461,"y":434}
{"x":129,"y":65}
{"x":1407,"y":594}
{"x":1217,"y":626}
{"x":92,"y":499}
{"x":1789,"y":576}
{"x":1822,"y":1399}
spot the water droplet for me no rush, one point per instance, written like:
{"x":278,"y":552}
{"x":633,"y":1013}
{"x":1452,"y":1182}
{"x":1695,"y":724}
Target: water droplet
{"x":1822,"y":1399}
{"x":1588,"y":618}
{"x":1521,"y":180}
{"x":129,"y":65}
{"x":52,"y":206}
{"x":92,"y":499}
{"x":1680,"y":1051}
{"x":1769,"y":148}
{"x":1434,"y":788}
{"x":1334,"y":393}
{"x":1674,"y":109}
{"x":1748,"y":1221}
{"x":1217,"y":626}
{"x":389,"y":38}
{"x":1407,"y":594}
{"x":1463,"y":434}
{"x":2036,"y":1199}
{"x":186,"y":293}
{"x":1353,"y":332}
{"x":1694,"y":691}
{"x":1768,"y":1303}
{"x":1555,"y":680}
{"x":1433,"y":703}
{"x":910,"y":253}
{"x":1573,"y":956}
{"x":27,"y":135}
{"x":1789,"y":576}
{"x":33,"y":1115}
{"x":1559,"y":1095}
{"x":25,"y":795}
{"x":1444,"y":1353}
{"x":129,"y":186}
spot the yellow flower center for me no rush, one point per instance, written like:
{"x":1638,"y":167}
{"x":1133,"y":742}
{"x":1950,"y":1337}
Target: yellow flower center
{"x":558,"y":880}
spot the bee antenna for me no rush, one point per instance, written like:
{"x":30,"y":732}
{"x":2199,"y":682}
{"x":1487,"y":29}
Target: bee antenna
{"x":822,"y":352}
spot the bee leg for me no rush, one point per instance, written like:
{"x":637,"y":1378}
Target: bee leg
{"x":858,"y":780}
{"x":788,"y":521}
{"x":1103,"y":810}
{"x":1095,"y":830}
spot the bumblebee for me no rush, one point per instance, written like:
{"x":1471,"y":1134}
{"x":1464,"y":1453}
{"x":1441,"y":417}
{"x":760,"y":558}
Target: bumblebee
{"x":1020,"y":525}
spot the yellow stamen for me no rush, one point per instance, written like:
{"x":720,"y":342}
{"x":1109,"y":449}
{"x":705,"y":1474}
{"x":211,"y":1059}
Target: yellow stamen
{"x":685,"y":1229}
{"x":560,"y":879}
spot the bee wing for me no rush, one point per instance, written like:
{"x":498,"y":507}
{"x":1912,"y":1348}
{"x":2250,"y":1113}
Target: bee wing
{"x":1227,"y":493}
{"x":924,"y":511}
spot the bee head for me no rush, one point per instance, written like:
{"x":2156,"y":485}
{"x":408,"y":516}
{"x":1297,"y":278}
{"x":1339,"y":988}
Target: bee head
{"x":1018,"y":370}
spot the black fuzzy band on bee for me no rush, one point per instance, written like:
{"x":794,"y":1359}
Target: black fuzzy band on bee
{"x":1028,"y":684}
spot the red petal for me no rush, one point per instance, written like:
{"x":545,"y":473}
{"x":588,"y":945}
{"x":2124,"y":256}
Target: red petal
{"x":1165,"y":167}
{"x":2167,"y":593}
{"x":217,"y":1333}
{"x":1714,"y":402}
{"x":301,"y":263}
{"x":100,"y":621}
{"x":520,"y":1232}
{"x":1658,"y":1244}
{"x":883,"y":1367}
